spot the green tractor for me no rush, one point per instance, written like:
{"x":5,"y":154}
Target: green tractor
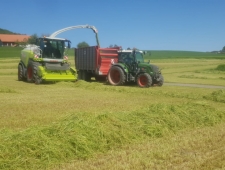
{"x":46,"y":61}
{"x":132,"y":68}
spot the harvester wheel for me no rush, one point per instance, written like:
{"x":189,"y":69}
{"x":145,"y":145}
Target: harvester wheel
{"x":144,"y":80}
{"x":20,"y":73}
{"x":37,"y":79}
{"x":116,"y":76}
{"x":30,"y":72}
{"x":161,"y":80}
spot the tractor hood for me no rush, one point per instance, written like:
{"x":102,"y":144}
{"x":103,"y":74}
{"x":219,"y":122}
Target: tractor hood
{"x":150,"y":68}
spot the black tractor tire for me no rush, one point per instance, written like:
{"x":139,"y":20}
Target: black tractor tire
{"x":37,"y":79}
{"x":144,"y":80}
{"x":116,"y":76}
{"x":161,"y":80}
{"x":20,"y":73}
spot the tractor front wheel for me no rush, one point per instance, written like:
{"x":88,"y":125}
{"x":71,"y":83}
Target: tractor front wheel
{"x":144,"y":80}
{"x":116,"y":76}
{"x":161,"y":80}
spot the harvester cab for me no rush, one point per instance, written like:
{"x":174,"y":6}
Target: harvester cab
{"x":131,"y":67}
{"x":53,"y":47}
{"x":46,"y":61}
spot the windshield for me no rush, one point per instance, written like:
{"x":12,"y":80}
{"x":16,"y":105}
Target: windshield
{"x":139,"y":57}
{"x":127,"y":57}
{"x":52,"y":48}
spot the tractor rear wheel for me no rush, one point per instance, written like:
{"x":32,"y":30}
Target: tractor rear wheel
{"x":20,"y":73}
{"x":116,"y":76}
{"x":144,"y":80}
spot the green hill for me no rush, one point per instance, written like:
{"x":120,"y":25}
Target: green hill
{"x":4,"y":31}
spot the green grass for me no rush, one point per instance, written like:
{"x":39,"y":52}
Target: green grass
{"x":54,"y":123}
{"x":153,"y":54}
{"x":98,"y":126}
{"x":201,"y":148}
{"x":81,"y":135}
{"x":221,"y":67}
{"x":10,"y":52}
{"x":70,"y":52}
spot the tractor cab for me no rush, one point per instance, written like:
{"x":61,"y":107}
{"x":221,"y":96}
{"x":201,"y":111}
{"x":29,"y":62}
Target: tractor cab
{"x":131,"y":58}
{"x":53,"y":47}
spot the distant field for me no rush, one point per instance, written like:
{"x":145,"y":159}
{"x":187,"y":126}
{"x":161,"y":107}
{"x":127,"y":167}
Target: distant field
{"x":10,"y":52}
{"x":92,"y":125}
{"x":182,"y":54}
{"x":13,"y":52}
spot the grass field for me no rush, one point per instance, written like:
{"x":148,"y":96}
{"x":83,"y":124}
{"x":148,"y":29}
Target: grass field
{"x":92,"y":125}
{"x":10,"y":52}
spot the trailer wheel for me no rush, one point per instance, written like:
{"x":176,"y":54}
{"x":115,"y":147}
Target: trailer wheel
{"x":144,"y":80}
{"x":116,"y":76}
{"x":100,"y":78}
{"x":161,"y":80}
{"x":30,"y":72}
{"x":20,"y":73}
{"x":80,"y":75}
{"x":86,"y":76}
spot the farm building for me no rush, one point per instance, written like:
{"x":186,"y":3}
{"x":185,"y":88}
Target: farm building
{"x":12,"y":39}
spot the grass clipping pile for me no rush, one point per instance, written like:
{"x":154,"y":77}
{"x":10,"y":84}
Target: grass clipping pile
{"x":221,"y":67}
{"x":83,"y":135}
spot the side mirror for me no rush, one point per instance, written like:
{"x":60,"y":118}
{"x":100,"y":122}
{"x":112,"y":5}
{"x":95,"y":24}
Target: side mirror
{"x":68,"y":44}
{"x":36,"y":41}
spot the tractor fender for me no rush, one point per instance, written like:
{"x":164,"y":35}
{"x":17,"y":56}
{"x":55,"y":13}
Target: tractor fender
{"x":141,"y":72}
{"x":122,"y":66}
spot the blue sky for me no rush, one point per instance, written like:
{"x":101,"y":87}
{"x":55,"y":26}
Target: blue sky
{"x":190,"y":25}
